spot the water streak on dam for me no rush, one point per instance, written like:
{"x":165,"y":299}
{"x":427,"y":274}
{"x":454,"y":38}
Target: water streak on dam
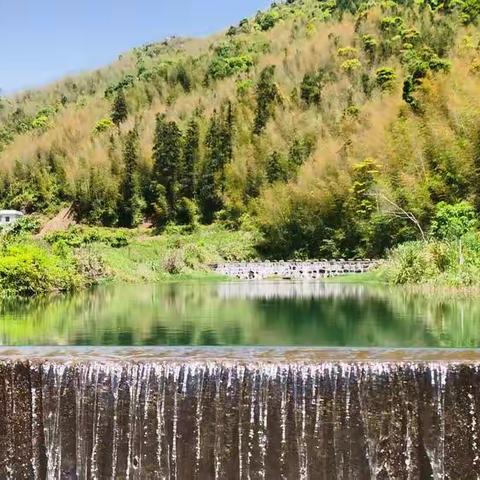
{"x":238,"y":419}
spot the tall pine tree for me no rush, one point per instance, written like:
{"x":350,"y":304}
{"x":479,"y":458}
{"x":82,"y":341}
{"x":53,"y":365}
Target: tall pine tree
{"x":209,"y":195}
{"x":167,"y":151}
{"x":132,"y":204}
{"x":267,"y":94}
{"x":119,"y":109}
{"x":191,"y":156}
{"x":219,"y":152}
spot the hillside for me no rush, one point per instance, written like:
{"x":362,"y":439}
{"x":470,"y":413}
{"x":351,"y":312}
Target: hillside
{"x":326,"y":125}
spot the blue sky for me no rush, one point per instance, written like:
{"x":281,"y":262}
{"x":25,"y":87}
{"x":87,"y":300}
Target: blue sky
{"x":43,"y":40}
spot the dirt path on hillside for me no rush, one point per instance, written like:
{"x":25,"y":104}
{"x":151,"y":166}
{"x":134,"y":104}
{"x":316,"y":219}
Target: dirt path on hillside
{"x":61,"y":221}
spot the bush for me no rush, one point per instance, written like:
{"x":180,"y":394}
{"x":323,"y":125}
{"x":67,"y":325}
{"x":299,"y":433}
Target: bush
{"x":435,"y":263}
{"x":412,"y":262}
{"x":226,"y":67}
{"x":77,"y":237}
{"x":25,"y":225}
{"x":174,"y":263}
{"x":347,"y":52}
{"x":370,"y":44}
{"x":103,"y":125}
{"x":351,"y":65}
{"x":267,"y":20}
{"x":27,"y":270}
{"x":41,"y":122}
{"x":385,"y":78}
{"x":231,"y":57}
{"x":187,"y":213}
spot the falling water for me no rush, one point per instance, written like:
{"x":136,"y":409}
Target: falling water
{"x":229,"y":420}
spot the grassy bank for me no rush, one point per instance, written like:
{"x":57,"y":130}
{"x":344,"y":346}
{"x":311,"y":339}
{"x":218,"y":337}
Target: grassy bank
{"x":175,"y":254}
{"x":85,"y":256}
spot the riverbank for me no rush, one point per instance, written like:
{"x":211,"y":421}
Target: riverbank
{"x":433,"y":267}
{"x":176,"y":254}
{"x":32,"y":265}
{"x":82,"y":256}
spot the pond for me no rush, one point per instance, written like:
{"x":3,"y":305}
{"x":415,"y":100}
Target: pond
{"x":263,"y":313}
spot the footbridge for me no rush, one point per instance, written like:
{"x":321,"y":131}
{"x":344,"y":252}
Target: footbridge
{"x":311,"y":269}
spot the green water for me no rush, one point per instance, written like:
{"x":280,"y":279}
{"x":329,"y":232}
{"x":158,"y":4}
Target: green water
{"x":243,"y":313}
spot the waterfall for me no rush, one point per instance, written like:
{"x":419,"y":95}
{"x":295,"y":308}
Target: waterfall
{"x":232,"y":420}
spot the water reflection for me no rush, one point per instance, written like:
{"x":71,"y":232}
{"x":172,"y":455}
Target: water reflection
{"x":244,"y":313}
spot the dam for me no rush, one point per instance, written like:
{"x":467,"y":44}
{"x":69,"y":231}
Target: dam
{"x":321,"y":414}
{"x":311,"y":269}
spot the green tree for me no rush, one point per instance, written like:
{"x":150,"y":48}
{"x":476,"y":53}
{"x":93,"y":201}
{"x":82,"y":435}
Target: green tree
{"x":132,"y":204}
{"x":218,"y":153}
{"x":253,"y":183}
{"x":226,"y":140}
{"x":276,"y":169}
{"x":452,"y":222}
{"x":95,"y":198}
{"x":209,"y":195}
{"x":364,"y":179}
{"x":300,"y":150}
{"x":187,"y":213}
{"x":167,"y":151}
{"x":119,"y":108}
{"x":191,"y":157}
{"x":311,"y":88}
{"x":267,"y":95}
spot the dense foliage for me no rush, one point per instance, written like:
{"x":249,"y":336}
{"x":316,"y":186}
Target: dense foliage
{"x":335,"y":127}
{"x":450,"y":256}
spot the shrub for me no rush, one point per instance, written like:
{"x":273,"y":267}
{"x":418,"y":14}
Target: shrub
{"x":90,"y":266}
{"x":475,"y":65}
{"x":435,"y":262}
{"x":174,"y":263}
{"x":244,"y":86}
{"x":410,"y":263}
{"x":25,"y":225}
{"x":370,"y":44}
{"x":27,"y":270}
{"x":81,"y":236}
{"x":41,"y":122}
{"x":126,"y":82}
{"x":231,"y":57}
{"x":391,"y":24}
{"x":187,"y":213}
{"x":385,"y":78}
{"x":347,"y":52}
{"x":267,"y":20}
{"x":311,"y":88}
{"x":103,"y":125}
{"x":351,"y":65}
{"x":410,"y":36}
{"x":352,"y":111}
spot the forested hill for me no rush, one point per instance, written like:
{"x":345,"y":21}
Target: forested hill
{"x":321,"y":123}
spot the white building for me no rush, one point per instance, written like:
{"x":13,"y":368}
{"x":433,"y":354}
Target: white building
{"x":7,"y":217}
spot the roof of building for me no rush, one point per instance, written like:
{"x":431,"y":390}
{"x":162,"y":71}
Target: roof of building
{"x":10,"y":212}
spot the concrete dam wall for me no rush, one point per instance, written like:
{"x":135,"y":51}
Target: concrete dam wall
{"x":234,"y":420}
{"x":294,"y":270}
